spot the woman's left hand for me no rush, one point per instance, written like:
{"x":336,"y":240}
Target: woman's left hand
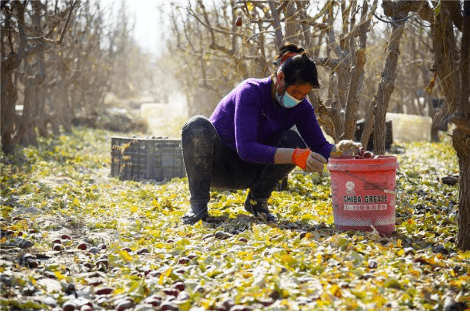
{"x":315,"y":163}
{"x":347,"y":148}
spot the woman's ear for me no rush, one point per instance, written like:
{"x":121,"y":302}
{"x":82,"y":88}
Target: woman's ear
{"x":280,"y":82}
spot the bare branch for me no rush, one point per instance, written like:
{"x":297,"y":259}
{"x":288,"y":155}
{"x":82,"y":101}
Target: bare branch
{"x":276,"y":24}
{"x":213,"y":44}
{"x":282,"y":6}
{"x":62,"y":35}
{"x":311,"y":22}
{"x":331,"y":31}
{"x":225,"y":32}
{"x":327,"y":62}
{"x":393,"y":9}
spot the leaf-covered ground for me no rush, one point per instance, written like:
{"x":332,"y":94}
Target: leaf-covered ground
{"x":72,"y":237}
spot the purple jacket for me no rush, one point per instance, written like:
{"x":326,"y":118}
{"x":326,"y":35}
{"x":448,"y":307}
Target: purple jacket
{"x":247,"y":117}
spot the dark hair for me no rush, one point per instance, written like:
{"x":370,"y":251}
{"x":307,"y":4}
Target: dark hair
{"x":298,"y":69}
{"x":288,"y":47}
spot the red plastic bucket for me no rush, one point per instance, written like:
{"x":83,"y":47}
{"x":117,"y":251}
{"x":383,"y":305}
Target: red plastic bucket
{"x":363,"y":192}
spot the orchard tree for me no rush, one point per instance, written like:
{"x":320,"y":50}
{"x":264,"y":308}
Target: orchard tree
{"x":60,"y":59}
{"x":450,"y":20}
{"x":24,"y":42}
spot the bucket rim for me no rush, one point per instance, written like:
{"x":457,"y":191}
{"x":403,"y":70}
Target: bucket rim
{"x":379,"y":157}
{"x":342,"y":163}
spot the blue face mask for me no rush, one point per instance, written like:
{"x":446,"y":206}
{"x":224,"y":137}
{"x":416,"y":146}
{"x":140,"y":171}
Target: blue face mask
{"x":286,"y":100}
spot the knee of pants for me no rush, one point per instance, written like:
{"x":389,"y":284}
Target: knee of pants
{"x":198,"y":127}
{"x":291,"y":139}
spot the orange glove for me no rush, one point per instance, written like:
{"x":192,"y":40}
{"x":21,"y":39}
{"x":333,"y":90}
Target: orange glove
{"x":299,"y":157}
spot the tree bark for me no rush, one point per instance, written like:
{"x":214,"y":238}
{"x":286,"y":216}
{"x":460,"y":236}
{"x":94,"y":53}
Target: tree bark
{"x":437,"y":119}
{"x":351,"y":106}
{"x":369,"y":126}
{"x":446,"y":57}
{"x":276,"y":24}
{"x":9,"y":94}
{"x":9,"y":97}
{"x":63,"y":107}
{"x":386,"y":85}
{"x":461,"y":136}
{"x":291,"y":25}
{"x":40,"y":91}
{"x":460,"y":139}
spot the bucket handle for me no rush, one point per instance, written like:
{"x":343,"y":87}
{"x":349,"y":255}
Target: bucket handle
{"x":372,"y":184}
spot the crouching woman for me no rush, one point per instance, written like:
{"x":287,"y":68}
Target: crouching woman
{"x":247,"y":142}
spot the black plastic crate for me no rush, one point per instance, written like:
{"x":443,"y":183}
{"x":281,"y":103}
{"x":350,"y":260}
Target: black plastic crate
{"x":156,"y":159}
{"x":370,"y":145}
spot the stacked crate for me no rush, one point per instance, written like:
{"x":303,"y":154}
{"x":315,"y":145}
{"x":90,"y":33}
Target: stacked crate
{"x":153,"y":158}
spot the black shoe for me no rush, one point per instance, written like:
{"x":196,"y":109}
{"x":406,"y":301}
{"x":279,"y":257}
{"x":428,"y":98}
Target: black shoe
{"x":197,"y":212}
{"x":259,"y":208}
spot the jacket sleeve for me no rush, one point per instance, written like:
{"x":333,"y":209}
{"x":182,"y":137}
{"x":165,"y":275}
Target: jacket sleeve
{"x":247,"y":110}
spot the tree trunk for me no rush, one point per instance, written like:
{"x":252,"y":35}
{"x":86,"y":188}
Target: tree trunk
{"x":9,"y":93}
{"x":291,"y":25}
{"x":351,"y":106}
{"x":436,"y":123}
{"x":55,"y":119}
{"x":369,"y":126}
{"x":446,"y":57}
{"x":386,"y":85}
{"x":461,"y":136}
{"x":9,"y":97}
{"x":40,"y":78}
{"x":276,"y":24}
{"x":460,"y":139}
{"x":65,"y":113}
{"x":24,"y":134}
{"x":306,"y":34}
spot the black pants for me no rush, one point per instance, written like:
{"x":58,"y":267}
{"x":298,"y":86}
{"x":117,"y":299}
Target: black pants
{"x":211,"y":164}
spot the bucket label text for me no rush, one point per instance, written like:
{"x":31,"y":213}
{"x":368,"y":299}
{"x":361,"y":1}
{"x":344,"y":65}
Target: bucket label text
{"x":366,"y":207}
{"x":367,"y":199}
